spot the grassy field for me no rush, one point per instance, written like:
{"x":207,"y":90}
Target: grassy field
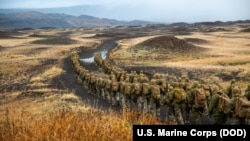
{"x":226,"y":55}
{"x":33,"y":107}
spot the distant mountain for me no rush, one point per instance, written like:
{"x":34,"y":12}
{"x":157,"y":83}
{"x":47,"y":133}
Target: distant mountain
{"x":92,"y":10}
{"x":31,"y":19}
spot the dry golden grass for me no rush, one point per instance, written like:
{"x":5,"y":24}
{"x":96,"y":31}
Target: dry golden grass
{"x":65,"y":117}
{"x":67,"y":125}
{"x":48,"y":74}
{"x":223,"y":46}
{"x":230,"y":47}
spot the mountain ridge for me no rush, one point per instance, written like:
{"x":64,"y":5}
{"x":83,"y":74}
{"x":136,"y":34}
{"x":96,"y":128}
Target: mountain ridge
{"x":34,"y":19}
{"x":20,"y":18}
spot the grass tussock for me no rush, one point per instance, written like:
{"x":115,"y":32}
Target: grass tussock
{"x":70,"y":125}
{"x":48,"y":74}
{"x":234,"y":62}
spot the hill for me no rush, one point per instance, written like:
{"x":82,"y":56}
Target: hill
{"x":31,"y":19}
{"x":168,"y":44}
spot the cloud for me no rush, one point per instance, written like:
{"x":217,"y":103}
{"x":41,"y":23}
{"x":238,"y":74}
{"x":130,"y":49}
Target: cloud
{"x":156,"y":10}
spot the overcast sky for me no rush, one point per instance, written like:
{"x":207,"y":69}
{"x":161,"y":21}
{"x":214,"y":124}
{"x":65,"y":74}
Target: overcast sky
{"x":151,"y":10}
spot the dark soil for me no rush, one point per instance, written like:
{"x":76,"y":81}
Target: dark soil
{"x":55,"y":41}
{"x":68,"y":79}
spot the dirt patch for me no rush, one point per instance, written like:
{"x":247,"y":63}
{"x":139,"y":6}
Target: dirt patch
{"x":196,"y":40}
{"x":55,"y":41}
{"x":42,"y":36}
{"x":245,"y":30}
{"x":32,"y":51}
{"x":10,"y":34}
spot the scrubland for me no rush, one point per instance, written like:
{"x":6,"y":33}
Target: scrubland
{"x":36,"y":103}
